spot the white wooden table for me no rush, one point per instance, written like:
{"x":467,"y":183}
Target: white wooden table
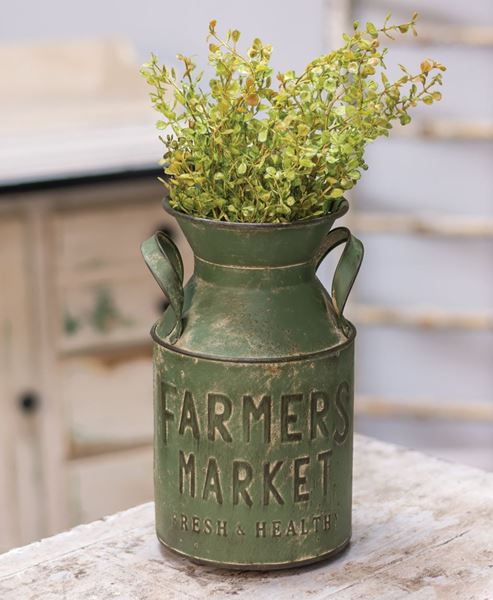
{"x":423,"y":529}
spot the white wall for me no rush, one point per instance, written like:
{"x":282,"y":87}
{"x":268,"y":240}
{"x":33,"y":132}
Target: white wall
{"x":296,"y":29}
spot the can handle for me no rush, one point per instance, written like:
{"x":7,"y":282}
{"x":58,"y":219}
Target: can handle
{"x":347,"y":267}
{"x":165,"y":263}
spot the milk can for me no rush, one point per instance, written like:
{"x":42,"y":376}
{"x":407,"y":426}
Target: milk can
{"x":253,"y":392}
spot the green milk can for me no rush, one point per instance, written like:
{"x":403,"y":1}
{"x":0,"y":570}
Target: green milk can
{"x":253,"y":401}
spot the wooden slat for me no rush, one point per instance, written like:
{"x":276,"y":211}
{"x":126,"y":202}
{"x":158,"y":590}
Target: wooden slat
{"x":441,"y":33}
{"x":20,"y":509}
{"x":424,"y":408}
{"x":52,"y":434}
{"x":124,"y":347}
{"x":78,"y":450}
{"x":427,"y":319}
{"x":447,"y":130}
{"x":460,"y":226}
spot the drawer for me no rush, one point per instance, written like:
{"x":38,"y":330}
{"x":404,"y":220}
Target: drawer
{"x":107,"y":401}
{"x":104,"y":485}
{"x":118,"y":311}
{"x":89,"y":240}
{"x":105,"y":294}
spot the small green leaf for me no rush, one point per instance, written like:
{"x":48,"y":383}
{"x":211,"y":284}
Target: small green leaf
{"x":262,"y":136}
{"x":371,"y":29}
{"x":306,"y":162}
{"x":241,"y":170}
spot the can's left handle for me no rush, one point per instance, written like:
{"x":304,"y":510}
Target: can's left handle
{"x":165,"y":263}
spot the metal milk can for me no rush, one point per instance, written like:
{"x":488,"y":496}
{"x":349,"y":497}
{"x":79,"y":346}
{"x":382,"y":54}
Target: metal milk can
{"x":253,"y":401}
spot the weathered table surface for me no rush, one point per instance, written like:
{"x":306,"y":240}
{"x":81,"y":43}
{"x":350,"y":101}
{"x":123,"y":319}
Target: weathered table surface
{"x":423,"y":528}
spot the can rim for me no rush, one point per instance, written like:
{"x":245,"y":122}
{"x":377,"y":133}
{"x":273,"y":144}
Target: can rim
{"x":341,"y":207}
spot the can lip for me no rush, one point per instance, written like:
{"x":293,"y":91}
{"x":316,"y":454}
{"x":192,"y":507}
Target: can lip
{"x":256,"y":360}
{"x":259,"y":566}
{"x":340,"y":209}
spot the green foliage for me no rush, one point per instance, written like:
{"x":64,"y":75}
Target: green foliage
{"x":254,"y":150}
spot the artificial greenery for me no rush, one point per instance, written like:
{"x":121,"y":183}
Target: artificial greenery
{"x":251,"y":149}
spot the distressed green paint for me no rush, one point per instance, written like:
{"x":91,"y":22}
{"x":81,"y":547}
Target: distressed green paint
{"x":253,"y":368}
{"x":105,"y":314}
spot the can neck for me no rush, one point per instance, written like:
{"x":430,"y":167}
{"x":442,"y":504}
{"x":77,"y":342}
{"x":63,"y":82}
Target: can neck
{"x":255,"y":246}
{"x":244,"y":275}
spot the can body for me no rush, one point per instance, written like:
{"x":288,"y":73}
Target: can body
{"x":253,"y":402}
{"x":253,"y":461}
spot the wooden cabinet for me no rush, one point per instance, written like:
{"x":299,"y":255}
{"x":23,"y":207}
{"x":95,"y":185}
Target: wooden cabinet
{"x":77,"y":304}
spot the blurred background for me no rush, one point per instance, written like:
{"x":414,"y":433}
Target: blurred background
{"x":78,"y":193}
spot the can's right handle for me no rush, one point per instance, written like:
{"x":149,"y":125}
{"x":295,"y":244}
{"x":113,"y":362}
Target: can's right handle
{"x":164,"y":261}
{"x":347,"y":267}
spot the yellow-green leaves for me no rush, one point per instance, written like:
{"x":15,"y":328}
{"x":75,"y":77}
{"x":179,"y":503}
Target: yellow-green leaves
{"x":254,"y":146}
{"x":252,"y":99}
{"x":426,"y":67}
{"x":262,"y":136}
{"x":372,"y":30}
